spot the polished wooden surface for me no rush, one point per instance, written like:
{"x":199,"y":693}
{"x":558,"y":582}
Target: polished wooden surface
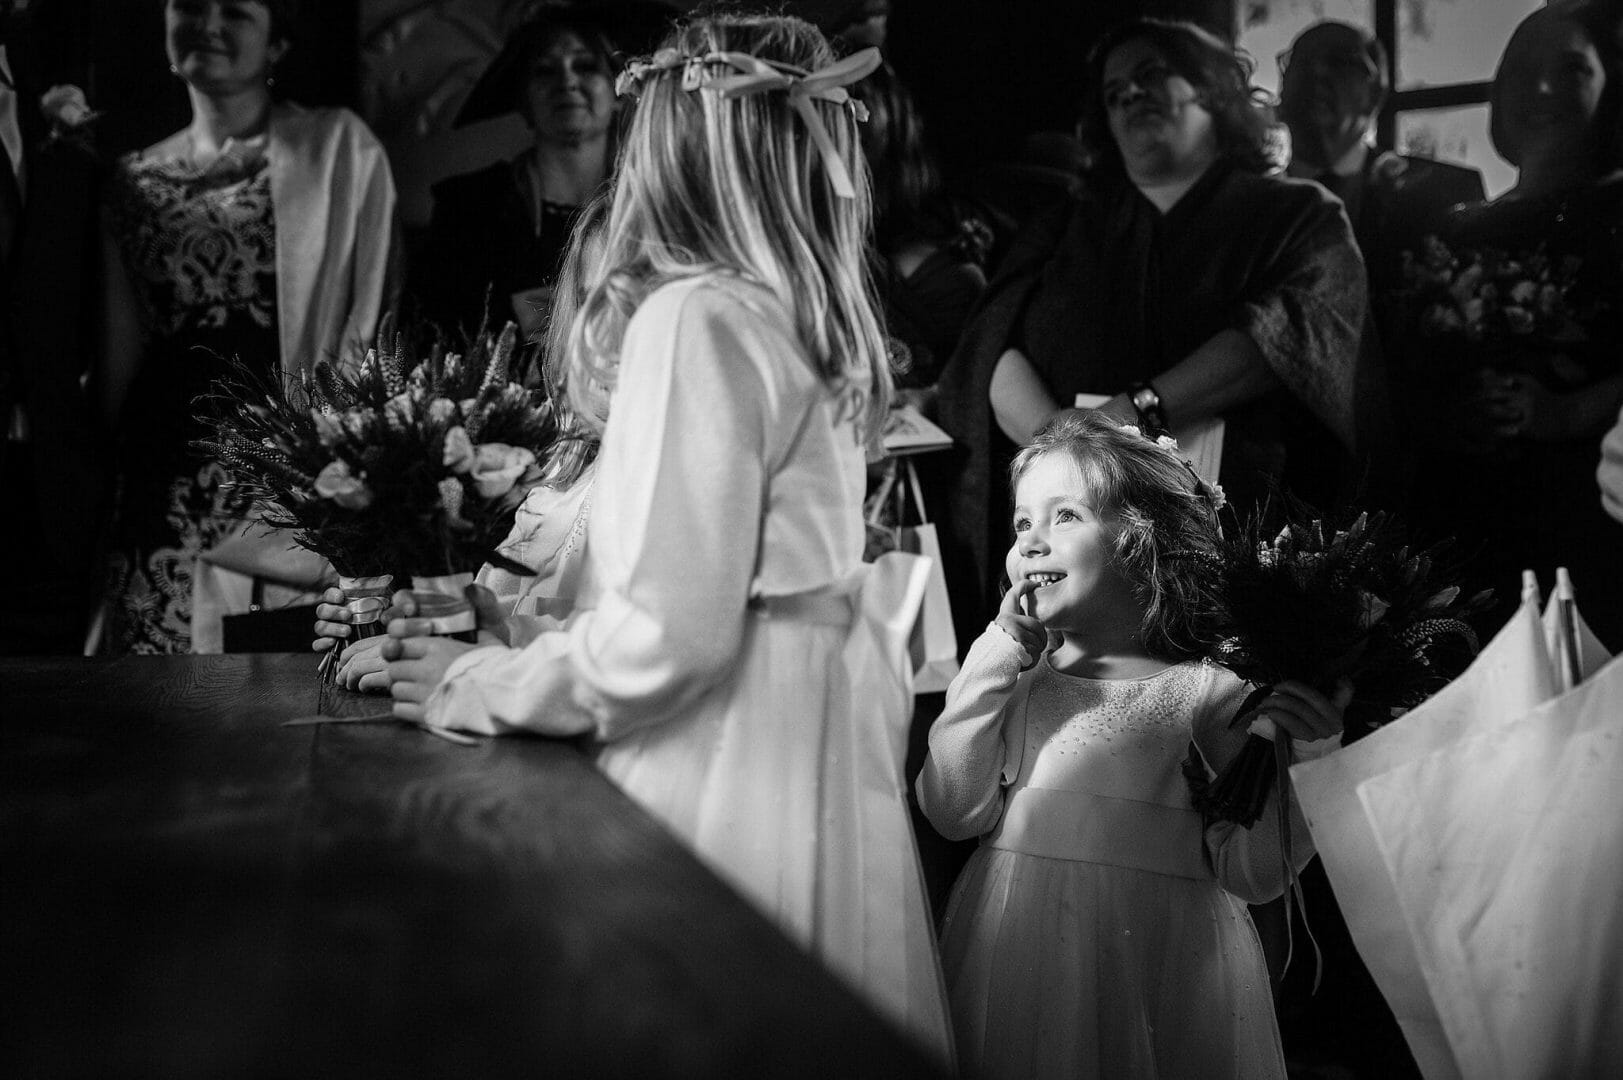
{"x":188,"y":889}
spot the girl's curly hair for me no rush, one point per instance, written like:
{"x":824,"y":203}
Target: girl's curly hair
{"x":1167,"y":539}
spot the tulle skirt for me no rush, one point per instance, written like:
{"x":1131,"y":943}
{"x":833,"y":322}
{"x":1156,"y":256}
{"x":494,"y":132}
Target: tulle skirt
{"x":1062,"y":968}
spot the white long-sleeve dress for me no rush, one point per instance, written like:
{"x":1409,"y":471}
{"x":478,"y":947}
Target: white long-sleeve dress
{"x":1100,"y":929}
{"x":711,"y":652}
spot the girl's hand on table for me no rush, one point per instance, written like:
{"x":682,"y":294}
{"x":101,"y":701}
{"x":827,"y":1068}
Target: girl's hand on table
{"x":363,"y":667}
{"x":416,"y":664}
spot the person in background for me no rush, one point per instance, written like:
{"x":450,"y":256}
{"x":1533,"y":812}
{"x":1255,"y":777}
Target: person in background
{"x":496,"y":237}
{"x":1610,"y":472}
{"x":1184,"y":283}
{"x":1335,"y":79}
{"x":1516,"y":417}
{"x":932,"y":248}
{"x":261,"y":235}
{"x":1100,"y":928}
{"x":53,"y":480}
{"x":848,"y":24}
{"x":719,"y":654}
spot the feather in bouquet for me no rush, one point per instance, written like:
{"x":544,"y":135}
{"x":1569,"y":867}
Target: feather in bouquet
{"x":1317,"y":603}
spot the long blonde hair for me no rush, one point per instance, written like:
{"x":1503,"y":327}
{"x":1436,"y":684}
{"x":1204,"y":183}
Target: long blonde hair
{"x":735,"y":185}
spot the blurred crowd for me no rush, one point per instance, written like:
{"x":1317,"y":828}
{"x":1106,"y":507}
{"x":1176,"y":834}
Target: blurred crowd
{"x":1369,"y":329}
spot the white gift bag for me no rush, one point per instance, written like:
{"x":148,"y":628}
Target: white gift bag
{"x":1509,"y":678}
{"x":1505,"y":851}
{"x":934,"y":645}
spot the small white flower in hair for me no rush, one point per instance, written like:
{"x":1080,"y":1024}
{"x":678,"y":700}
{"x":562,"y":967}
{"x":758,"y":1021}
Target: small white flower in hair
{"x":1166,"y":442}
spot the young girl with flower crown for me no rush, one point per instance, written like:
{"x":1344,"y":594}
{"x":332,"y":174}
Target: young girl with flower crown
{"x":1100,"y":929}
{"x":710,"y":654}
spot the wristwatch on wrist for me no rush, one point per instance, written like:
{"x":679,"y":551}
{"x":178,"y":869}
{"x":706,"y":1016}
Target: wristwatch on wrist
{"x":1152,"y":418}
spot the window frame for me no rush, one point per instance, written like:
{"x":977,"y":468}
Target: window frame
{"x":1444,"y":96}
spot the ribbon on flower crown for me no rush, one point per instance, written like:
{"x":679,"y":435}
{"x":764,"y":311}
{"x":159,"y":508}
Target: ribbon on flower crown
{"x":755,"y":76}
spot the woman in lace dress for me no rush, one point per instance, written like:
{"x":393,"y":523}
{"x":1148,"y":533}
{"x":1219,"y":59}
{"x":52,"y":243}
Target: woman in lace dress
{"x":260,"y":233}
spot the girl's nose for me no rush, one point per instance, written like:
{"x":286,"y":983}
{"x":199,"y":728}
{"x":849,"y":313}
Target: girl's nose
{"x":1031,"y":543}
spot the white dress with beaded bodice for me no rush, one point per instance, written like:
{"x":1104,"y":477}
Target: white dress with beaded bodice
{"x":1100,"y":930}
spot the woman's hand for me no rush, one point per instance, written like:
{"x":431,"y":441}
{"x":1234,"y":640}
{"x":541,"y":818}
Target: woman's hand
{"x":1313,"y":720}
{"x":1014,"y":619}
{"x":416,"y":665}
{"x":1491,"y":409}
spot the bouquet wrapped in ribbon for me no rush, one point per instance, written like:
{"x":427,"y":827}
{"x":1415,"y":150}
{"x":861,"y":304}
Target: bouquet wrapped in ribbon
{"x":406,"y":465}
{"x":1318,"y":603}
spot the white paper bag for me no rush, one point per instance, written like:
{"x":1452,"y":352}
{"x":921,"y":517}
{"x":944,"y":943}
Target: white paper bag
{"x":1509,"y":678}
{"x":1505,"y":850}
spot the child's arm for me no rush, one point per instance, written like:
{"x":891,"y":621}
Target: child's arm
{"x":710,"y":394}
{"x":961,"y":786}
{"x":1247,"y":861}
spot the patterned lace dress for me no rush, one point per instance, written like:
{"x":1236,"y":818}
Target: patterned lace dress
{"x":199,"y":244}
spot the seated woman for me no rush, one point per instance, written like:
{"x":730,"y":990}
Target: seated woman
{"x":496,"y":237}
{"x":1185,"y":281}
{"x":1517,"y":416}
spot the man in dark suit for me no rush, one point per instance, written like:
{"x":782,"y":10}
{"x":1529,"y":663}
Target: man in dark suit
{"x":49,"y":475}
{"x":1335,"y":80}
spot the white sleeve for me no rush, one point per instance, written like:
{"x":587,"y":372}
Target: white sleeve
{"x":1248,"y":862}
{"x":961,"y":786}
{"x":672,"y":539}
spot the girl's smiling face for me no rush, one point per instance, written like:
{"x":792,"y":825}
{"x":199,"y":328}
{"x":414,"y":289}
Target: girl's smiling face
{"x":1064,"y":543}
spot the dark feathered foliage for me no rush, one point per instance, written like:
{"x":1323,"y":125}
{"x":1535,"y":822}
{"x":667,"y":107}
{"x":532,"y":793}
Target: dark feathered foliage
{"x":355,"y":464}
{"x":1319,"y":601}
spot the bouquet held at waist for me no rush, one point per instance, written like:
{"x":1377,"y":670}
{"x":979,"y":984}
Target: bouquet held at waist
{"x":1317,"y":603}
{"x":406,"y":465}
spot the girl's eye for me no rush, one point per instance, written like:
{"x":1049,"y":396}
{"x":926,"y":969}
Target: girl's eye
{"x":1068,"y":515}
{"x":1021,"y":524}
